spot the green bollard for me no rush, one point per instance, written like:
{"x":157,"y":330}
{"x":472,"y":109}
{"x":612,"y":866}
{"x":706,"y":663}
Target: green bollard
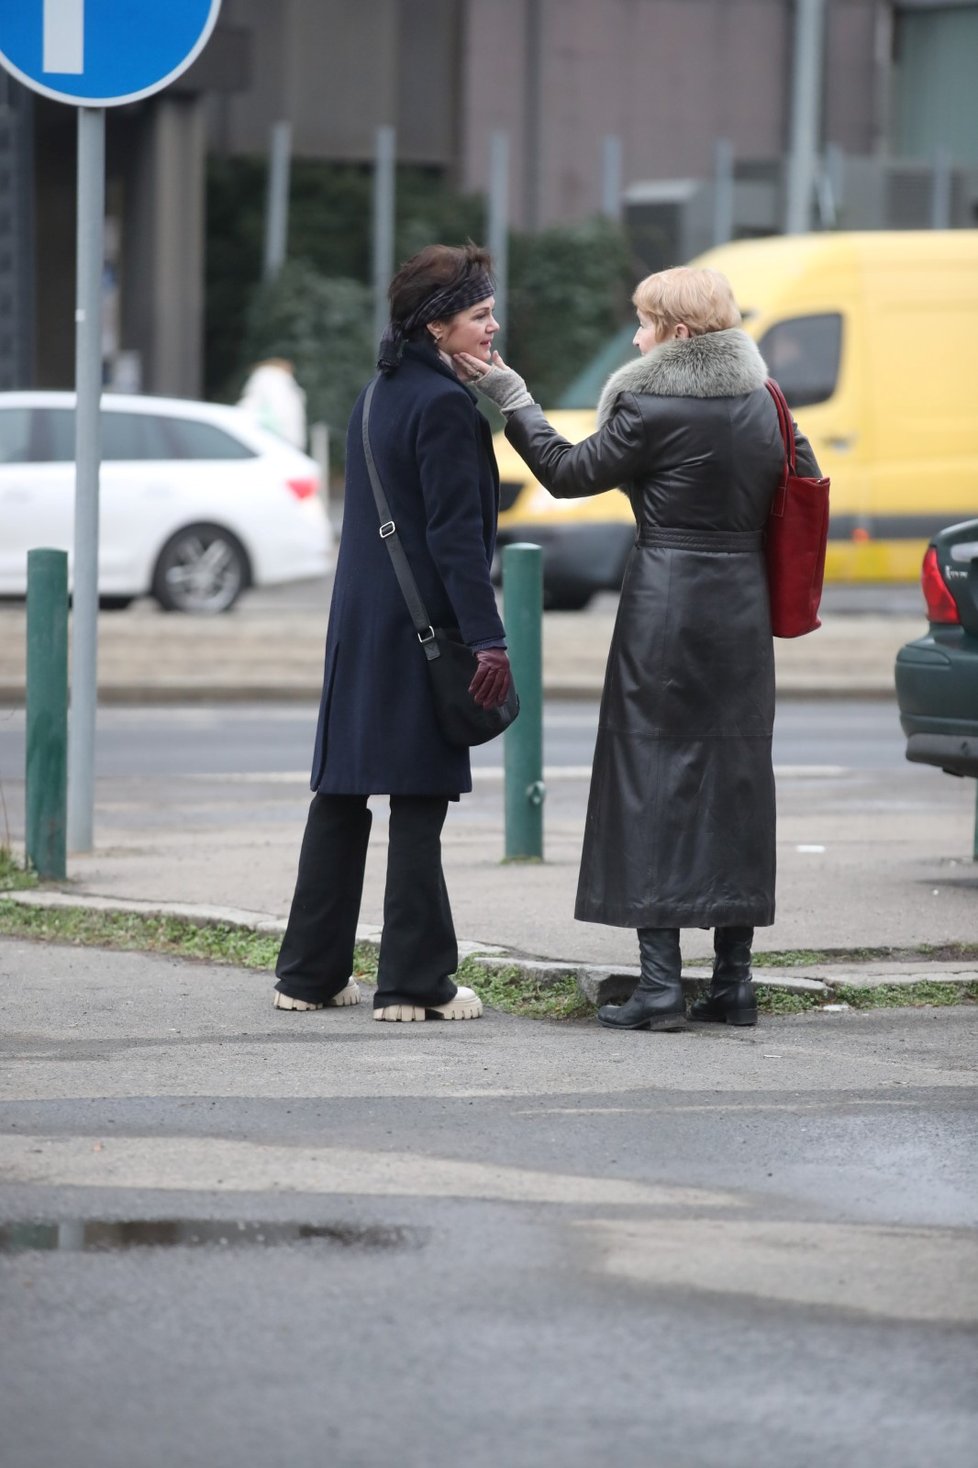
{"x":523,"y":740}
{"x":47,"y":712}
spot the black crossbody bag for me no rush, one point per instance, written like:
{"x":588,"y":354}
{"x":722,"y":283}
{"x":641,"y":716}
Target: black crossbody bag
{"x":451,"y":665}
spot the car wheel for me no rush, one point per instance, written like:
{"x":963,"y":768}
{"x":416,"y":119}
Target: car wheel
{"x":201,"y":569}
{"x":114,"y":603}
{"x":565,"y":600}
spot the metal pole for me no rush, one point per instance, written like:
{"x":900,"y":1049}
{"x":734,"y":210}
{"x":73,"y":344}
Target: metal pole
{"x":974,"y":849}
{"x":277,"y":200}
{"x":831,"y":187}
{"x":940,"y":199}
{"x":499,"y":220}
{"x":531,"y":143}
{"x":723,"y":191}
{"x":523,"y":740}
{"x":46,"y":774}
{"x":88,"y":391}
{"x":611,"y":176}
{"x":806,"y":103}
{"x":386,"y":145}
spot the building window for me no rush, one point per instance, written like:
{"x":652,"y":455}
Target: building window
{"x":934,"y":56}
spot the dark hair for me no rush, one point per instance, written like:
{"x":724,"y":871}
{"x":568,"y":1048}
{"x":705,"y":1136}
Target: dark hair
{"x":435,"y":268}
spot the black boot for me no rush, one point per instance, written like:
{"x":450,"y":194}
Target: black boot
{"x":657,"y":1003}
{"x":731,"y":998}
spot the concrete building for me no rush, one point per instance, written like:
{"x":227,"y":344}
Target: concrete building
{"x":666,"y":78}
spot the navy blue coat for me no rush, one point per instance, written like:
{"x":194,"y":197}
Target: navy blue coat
{"x":377,"y":731}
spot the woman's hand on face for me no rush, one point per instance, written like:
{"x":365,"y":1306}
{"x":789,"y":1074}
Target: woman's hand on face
{"x":500,"y":384}
{"x":470,"y":368}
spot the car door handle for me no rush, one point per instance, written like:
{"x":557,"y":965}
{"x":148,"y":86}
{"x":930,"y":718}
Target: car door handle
{"x":841,"y":443}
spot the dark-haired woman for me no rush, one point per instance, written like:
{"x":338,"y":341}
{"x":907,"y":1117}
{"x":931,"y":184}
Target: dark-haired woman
{"x":377,"y":731}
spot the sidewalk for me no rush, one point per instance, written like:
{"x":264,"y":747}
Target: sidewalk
{"x":148,"y":656}
{"x":861,"y":865}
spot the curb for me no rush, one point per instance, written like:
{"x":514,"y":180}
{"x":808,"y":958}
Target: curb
{"x":597,"y":983}
{"x":13,"y":695}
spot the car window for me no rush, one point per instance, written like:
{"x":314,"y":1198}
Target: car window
{"x":124,"y":436}
{"x":47,"y":435}
{"x":802,"y":355}
{"x":191,"y":439}
{"x":17,"y":431}
{"x":57,"y":434}
{"x":134,"y":436}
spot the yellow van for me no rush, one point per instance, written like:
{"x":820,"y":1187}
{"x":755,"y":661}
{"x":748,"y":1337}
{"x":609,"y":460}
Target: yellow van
{"x":874,"y":339}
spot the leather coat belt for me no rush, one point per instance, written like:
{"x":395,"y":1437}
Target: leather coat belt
{"x":725,"y":541}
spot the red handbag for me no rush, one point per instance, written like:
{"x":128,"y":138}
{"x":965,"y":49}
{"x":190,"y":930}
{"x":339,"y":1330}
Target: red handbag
{"x":795,"y":537}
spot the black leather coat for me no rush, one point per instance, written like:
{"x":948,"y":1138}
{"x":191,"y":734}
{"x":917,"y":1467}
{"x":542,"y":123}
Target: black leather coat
{"x":681,"y":817}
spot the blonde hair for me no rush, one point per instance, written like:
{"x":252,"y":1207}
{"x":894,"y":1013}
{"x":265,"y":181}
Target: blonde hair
{"x":701,"y":299}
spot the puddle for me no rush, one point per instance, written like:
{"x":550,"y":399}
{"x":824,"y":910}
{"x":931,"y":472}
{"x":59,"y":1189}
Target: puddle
{"x":101,"y":1236}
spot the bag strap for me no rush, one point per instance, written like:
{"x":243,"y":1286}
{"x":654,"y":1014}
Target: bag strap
{"x":388,"y":534}
{"x":786,"y":425}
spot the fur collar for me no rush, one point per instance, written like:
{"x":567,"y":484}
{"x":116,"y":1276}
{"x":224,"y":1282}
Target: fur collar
{"x":718,"y":364}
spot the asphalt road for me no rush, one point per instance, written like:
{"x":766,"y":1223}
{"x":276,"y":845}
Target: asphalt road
{"x":223,"y":739}
{"x":151,"y":762}
{"x":530,"y":1245}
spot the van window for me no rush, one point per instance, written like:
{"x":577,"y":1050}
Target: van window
{"x":802,"y":355}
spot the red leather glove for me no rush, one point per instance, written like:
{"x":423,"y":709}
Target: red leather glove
{"x":493,"y":678}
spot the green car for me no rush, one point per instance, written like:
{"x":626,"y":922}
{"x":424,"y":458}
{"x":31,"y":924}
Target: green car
{"x":937,"y":676}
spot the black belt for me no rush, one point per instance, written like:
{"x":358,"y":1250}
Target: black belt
{"x":726,"y":541}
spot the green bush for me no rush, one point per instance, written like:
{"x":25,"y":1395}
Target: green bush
{"x":568,"y":294}
{"x":324,"y":327}
{"x":330,"y":209}
{"x":568,"y":286}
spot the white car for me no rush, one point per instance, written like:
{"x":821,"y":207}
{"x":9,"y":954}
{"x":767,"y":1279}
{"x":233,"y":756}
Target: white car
{"x":195,"y":503}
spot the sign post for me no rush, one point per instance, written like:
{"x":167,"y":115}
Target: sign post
{"x":88,"y":392}
{"x":94,"y":54}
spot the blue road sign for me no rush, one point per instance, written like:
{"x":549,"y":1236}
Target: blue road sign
{"x":101,"y":53}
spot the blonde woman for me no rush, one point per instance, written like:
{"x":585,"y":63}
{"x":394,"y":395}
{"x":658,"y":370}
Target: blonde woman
{"x":680,"y":828}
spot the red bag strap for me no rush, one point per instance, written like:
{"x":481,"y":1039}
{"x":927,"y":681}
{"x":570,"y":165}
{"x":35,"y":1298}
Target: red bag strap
{"x":785,"y":424}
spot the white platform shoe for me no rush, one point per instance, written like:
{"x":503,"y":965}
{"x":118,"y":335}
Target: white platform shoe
{"x":349,"y":995}
{"x":465,"y":1005}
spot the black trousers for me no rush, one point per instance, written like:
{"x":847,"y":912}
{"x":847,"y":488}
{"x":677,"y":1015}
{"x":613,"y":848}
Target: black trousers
{"x":418,"y":950}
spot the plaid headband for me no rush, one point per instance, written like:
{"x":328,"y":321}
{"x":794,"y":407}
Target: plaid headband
{"x":475,"y":287}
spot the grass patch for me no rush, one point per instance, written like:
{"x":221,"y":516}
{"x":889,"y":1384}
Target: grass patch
{"x":13,"y":876}
{"x":217,"y":943}
{"x":516,"y":992}
{"x":505,"y":989}
{"x":923,"y":994}
{"x":782,"y":1001}
{"x":907,"y":996}
{"x":508,"y":988}
{"x":805,"y":957}
{"x":146,"y":933}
